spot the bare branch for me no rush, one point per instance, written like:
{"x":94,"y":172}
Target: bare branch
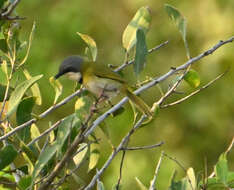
{"x":10,"y":9}
{"x":195,"y":92}
{"x":144,"y":147}
{"x":153,"y":181}
{"x":149,"y":51}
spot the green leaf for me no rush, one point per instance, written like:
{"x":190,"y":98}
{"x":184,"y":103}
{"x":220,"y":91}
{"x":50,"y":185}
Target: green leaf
{"x":141,"y":20}
{"x":230,"y":178}
{"x":25,"y":182}
{"x":2,"y":3}
{"x":180,"y":23}
{"x":18,"y":93}
{"x":64,"y":130}
{"x":141,"y":52}
{"x":43,"y":159}
{"x":34,"y":89}
{"x":7,"y":155}
{"x":23,"y":114}
{"x":3,"y":46}
{"x":4,"y":69}
{"x":91,"y":45}
{"x":221,"y":169}
{"x":23,"y":169}
{"x":100,"y":185}
{"x":140,"y":184}
{"x":58,"y":88}
{"x":192,"y":78}
{"x":82,"y":107}
{"x":94,"y":155}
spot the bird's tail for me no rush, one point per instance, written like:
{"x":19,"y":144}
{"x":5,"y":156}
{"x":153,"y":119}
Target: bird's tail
{"x":140,"y":104}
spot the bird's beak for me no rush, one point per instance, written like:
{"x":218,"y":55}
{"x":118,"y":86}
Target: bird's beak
{"x":58,"y":75}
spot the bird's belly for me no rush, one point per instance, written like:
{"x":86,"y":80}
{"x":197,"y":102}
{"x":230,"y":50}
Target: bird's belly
{"x":103,"y":87}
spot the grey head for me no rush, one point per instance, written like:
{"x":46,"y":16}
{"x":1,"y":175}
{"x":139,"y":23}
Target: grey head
{"x":71,"y":66}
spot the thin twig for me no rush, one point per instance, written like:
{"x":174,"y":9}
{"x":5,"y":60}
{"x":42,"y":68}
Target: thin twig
{"x":153,"y":181}
{"x":176,"y":161}
{"x":132,"y":61}
{"x":121,"y":169}
{"x":45,"y":132}
{"x":195,"y":92}
{"x":45,"y":113}
{"x":144,"y":147}
{"x":10,"y":9}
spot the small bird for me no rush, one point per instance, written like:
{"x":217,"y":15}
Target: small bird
{"x":99,"y":80}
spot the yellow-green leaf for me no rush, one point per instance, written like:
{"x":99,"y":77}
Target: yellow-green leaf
{"x":82,"y":152}
{"x":34,"y":89}
{"x":18,"y":93}
{"x":94,"y":155}
{"x":4,"y":71}
{"x":82,"y":107}
{"x":192,"y":78}
{"x":91,"y":45}
{"x":180,"y":23}
{"x":142,"y":20}
{"x":192,"y":178}
{"x":140,"y":184}
{"x":57,"y":88}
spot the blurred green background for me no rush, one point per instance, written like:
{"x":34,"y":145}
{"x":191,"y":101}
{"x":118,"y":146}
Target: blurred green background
{"x":197,"y":130}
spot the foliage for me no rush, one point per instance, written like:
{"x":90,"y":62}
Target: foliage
{"x":71,"y":142}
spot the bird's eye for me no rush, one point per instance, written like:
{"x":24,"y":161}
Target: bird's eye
{"x":81,"y":80}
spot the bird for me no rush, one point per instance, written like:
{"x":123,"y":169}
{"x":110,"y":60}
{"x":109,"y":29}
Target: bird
{"x":100,"y":80}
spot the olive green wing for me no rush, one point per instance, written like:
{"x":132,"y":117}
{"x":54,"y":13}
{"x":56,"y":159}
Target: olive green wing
{"x":103,"y":71}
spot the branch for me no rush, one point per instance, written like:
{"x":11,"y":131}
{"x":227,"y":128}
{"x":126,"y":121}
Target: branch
{"x":195,"y":92}
{"x":10,"y":9}
{"x":144,"y":147}
{"x":45,"y":113}
{"x":132,"y":61}
{"x":153,"y":181}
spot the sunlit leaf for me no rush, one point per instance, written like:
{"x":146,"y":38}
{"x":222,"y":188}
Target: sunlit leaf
{"x":192,"y":178}
{"x":91,"y":44}
{"x":57,"y":88}
{"x":221,"y":169}
{"x":29,"y":154}
{"x":140,"y":184}
{"x":82,"y":153}
{"x":18,"y":93}
{"x":4,"y":69}
{"x":180,"y":23}
{"x":192,"y":78}
{"x":141,"y":52}
{"x":94,"y":155}
{"x":82,"y":107}
{"x":7,"y":155}
{"x":23,"y":114}
{"x":100,"y":185}
{"x":25,"y":182}
{"x":35,"y":88}
{"x":141,"y":20}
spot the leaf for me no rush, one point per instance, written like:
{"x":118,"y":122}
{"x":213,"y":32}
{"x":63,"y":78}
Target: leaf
{"x":2,"y":3}
{"x":100,"y":185}
{"x":4,"y":69}
{"x":3,"y":46}
{"x":192,"y":178}
{"x":141,"y":52}
{"x":18,"y":93}
{"x":91,"y":45}
{"x":192,"y":78}
{"x":81,"y":155}
{"x":43,"y":159}
{"x":141,"y":20}
{"x":94,"y":155}
{"x":180,"y":23}
{"x":58,"y":88}
{"x":7,"y":155}
{"x":140,"y":184}
{"x":23,"y":114}
{"x":221,"y":169}
{"x":25,"y":182}
{"x":29,"y":44}
{"x":35,"y":88}
{"x":82,"y":107}
{"x":64,"y":130}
